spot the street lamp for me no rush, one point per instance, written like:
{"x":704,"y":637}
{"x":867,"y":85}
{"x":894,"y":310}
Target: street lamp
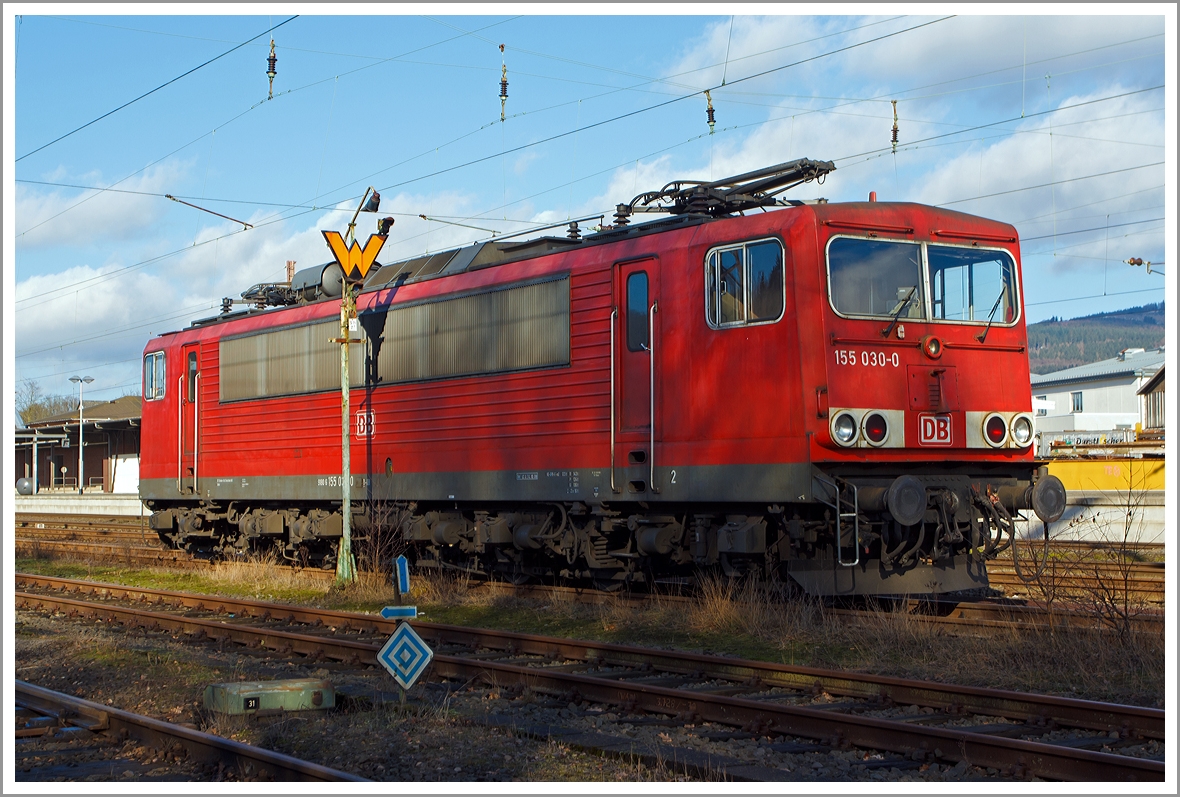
{"x":81,"y":473}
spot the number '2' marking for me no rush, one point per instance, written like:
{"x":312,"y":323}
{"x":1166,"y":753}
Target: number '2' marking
{"x":673,"y":477}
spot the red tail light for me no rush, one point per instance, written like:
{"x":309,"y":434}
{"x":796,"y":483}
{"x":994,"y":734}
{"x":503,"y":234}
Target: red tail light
{"x":995,"y":429}
{"x":876,"y":428}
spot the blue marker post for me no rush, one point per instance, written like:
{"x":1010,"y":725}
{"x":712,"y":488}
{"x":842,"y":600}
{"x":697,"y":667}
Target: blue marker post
{"x":401,"y":583}
{"x":403,"y":575}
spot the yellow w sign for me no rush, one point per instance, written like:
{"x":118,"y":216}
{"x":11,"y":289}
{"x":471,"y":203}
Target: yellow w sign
{"x":355,"y":257}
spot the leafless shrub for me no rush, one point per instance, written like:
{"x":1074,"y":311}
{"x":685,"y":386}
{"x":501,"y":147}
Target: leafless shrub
{"x":384,"y":540}
{"x":1101,"y":581}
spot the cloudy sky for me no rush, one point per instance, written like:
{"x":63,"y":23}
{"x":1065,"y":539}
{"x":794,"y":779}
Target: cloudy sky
{"x":1056,"y":124}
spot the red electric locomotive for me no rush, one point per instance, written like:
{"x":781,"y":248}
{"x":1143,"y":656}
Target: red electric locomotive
{"x":831,"y":393}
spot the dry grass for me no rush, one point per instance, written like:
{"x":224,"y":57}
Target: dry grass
{"x":749,"y":620}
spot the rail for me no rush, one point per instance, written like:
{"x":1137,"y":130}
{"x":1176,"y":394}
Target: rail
{"x":673,"y":683}
{"x":146,"y":730}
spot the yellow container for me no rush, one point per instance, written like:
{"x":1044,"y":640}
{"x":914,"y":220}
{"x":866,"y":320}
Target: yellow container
{"x":1111,"y":475}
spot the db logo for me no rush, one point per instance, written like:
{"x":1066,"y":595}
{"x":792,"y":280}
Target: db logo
{"x":364,"y":424}
{"x":934,"y":430}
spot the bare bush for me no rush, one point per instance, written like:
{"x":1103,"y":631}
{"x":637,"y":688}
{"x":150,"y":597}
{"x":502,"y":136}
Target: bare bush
{"x":1099,"y":581}
{"x":384,"y":540}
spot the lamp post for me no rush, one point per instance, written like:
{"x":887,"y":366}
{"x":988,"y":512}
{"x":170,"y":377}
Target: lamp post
{"x":81,"y":380}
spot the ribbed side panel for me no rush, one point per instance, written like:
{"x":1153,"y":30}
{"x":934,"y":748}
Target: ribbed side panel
{"x":517,"y":397}
{"x":285,"y":362}
{"x":505,"y":330}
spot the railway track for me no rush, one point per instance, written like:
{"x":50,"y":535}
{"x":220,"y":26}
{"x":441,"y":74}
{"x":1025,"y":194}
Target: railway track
{"x":976,"y":615}
{"x":1144,"y":581}
{"x":61,"y":737}
{"x":1018,"y":734}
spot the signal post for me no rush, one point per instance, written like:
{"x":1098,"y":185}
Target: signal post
{"x":352,"y":259}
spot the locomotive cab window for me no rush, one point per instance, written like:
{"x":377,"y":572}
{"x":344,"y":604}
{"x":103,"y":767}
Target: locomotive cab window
{"x":744,"y":284}
{"x":153,"y":376}
{"x":192,"y":376}
{"x":875,"y":278}
{"x":968,"y":284}
{"x":637,"y":327}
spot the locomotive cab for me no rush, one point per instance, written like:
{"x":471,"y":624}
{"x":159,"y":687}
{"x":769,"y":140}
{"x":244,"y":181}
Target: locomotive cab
{"x":923,"y":433}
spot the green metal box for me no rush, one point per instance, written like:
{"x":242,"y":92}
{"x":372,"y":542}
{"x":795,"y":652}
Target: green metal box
{"x":250,"y":697}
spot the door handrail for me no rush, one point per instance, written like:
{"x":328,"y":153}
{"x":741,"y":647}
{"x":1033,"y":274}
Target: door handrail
{"x":614,"y":315}
{"x":196,"y":427}
{"x":179,"y":433}
{"x":651,"y":350}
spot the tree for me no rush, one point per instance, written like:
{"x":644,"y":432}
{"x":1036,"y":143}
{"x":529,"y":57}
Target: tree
{"x":33,"y":405}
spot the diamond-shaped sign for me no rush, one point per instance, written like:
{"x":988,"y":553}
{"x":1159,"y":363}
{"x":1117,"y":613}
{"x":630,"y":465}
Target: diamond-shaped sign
{"x":405,"y":655}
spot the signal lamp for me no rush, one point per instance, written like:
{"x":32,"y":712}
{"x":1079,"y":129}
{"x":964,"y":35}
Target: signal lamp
{"x":995,"y":431}
{"x":932,"y":347}
{"x":844,"y":429}
{"x":1022,"y":430}
{"x":876,"y":428}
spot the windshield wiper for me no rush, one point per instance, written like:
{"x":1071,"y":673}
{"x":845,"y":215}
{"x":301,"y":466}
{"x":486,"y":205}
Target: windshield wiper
{"x":896,"y":315}
{"x":982,"y":336}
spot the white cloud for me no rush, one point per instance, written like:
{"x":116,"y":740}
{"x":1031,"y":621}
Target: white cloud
{"x":113,"y":310}
{"x":41,"y":220}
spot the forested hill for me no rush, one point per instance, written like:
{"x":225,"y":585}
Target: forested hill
{"x":1055,"y":344}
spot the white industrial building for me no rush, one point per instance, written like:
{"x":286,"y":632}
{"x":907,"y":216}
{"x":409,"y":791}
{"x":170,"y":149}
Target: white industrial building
{"x":1100,"y":398}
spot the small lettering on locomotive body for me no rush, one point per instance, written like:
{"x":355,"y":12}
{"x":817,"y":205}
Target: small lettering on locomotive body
{"x":527,"y":477}
{"x":867,"y":359}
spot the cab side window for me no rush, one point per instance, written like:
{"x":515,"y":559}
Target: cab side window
{"x":153,"y":376}
{"x":744,"y":284}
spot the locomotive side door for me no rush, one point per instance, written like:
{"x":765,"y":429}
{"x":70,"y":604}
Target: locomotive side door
{"x":635,"y":335}
{"x":189,"y":384}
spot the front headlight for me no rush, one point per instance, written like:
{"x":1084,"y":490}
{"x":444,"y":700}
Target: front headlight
{"x":844,"y":429}
{"x":1022,"y":430}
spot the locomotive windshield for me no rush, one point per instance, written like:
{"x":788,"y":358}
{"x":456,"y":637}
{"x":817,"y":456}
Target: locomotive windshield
{"x":883,"y":279}
{"x":971,"y":285}
{"x":876,"y":278}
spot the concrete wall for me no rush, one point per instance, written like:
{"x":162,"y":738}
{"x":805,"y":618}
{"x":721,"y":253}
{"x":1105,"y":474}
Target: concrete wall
{"x":1102,"y":516}
{"x":89,"y":504}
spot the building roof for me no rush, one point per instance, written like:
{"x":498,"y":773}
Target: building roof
{"x":125,"y":408}
{"x":1129,"y":362}
{"x":1155,"y":384}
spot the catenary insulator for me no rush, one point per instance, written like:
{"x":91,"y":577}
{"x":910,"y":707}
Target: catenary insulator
{"x":271,"y":69}
{"x":503,"y":87}
{"x":709,"y":112}
{"x":894,"y":139}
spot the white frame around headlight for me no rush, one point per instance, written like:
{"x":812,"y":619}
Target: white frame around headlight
{"x":1012,"y":435}
{"x":855,"y":429}
{"x":864,"y":435}
{"x":983,"y":430}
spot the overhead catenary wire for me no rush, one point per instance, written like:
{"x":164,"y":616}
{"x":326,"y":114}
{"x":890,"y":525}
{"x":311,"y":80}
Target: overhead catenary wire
{"x":157,"y":88}
{"x":263,"y":223}
{"x":580,"y":128}
{"x":475,"y":34}
{"x":291,"y":206}
{"x":241,"y":114}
